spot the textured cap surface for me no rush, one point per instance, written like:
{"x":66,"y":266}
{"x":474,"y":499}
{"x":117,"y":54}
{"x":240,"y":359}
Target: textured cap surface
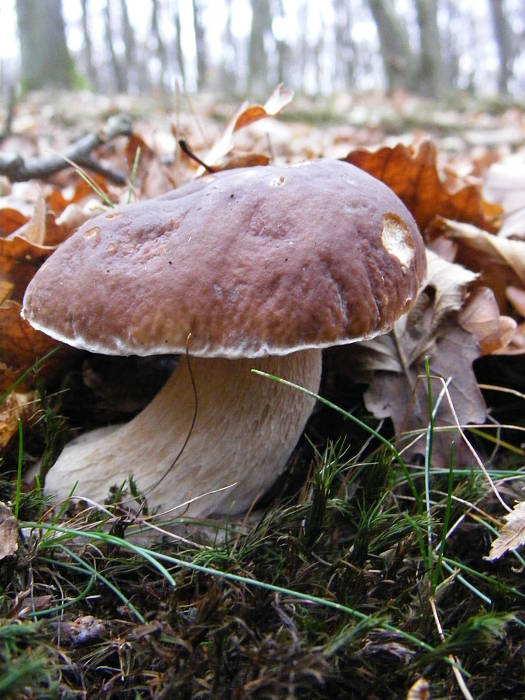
{"x":250,"y":262}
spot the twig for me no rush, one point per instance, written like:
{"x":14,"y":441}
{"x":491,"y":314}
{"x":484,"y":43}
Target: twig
{"x":17,"y":169}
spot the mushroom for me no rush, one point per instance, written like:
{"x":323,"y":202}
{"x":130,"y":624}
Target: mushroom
{"x":257,"y":267}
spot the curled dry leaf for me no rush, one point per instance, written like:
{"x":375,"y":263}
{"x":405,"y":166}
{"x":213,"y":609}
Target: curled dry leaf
{"x":21,"y":346}
{"x":151,"y":176}
{"x":23,"y":249}
{"x":420,"y":690}
{"x":8,"y":532}
{"x":505,"y":184}
{"x":395,"y":364}
{"x":481,"y":317}
{"x":245,"y":115}
{"x":14,"y":407}
{"x":512,"y":534}
{"x":413,"y":175}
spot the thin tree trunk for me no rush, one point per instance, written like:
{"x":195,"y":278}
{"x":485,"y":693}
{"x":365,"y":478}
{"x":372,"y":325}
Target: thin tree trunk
{"x":161,"y":49}
{"x":430,"y":61}
{"x":200,"y":43}
{"x":178,"y":47}
{"x":45,"y":57}
{"x":258,"y":66}
{"x":503,"y":36}
{"x":397,"y":57}
{"x":119,"y":74}
{"x":345,"y":50}
{"x":88,"y":49}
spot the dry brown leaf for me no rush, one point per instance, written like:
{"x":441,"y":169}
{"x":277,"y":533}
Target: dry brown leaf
{"x":481,"y":316}
{"x":151,"y":177}
{"x":395,"y":363}
{"x":8,"y":532}
{"x":413,"y":175}
{"x":420,"y":690}
{"x":512,"y":534}
{"x":6,"y":288}
{"x":10,"y":221}
{"x":505,"y":184}
{"x":19,"y":260}
{"x":20,"y":346}
{"x":481,"y":249}
{"x":14,"y":407}
{"x":245,"y":115}
{"x":34,"y":230}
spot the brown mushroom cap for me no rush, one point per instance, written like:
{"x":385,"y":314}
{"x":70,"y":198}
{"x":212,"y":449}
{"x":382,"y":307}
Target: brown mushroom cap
{"x":252,"y":262}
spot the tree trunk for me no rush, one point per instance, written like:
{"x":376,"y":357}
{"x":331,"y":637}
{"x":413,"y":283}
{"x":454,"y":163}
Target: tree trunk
{"x":120,"y":76}
{"x":229,"y":74}
{"x":345,"y":49}
{"x":396,"y":54}
{"x":503,"y":36}
{"x":45,"y":57}
{"x":258,"y":66}
{"x":430,"y":61}
{"x":161,"y":49}
{"x":88,"y":49}
{"x":200,"y":43}
{"x":178,"y":47}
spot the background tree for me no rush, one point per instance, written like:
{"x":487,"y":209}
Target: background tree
{"x":345,"y":49}
{"x":88,"y":50}
{"x":45,"y":59}
{"x":430,"y":78}
{"x":261,"y":31}
{"x":503,"y":36}
{"x":396,"y":54}
{"x":200,"y":44}
{"x":120,"y":75}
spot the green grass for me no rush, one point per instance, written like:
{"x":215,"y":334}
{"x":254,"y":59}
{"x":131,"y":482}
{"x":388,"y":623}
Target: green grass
{"x":367,"y":575}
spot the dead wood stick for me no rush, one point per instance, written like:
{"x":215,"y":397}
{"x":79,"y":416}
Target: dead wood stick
{"x":18,"y":169}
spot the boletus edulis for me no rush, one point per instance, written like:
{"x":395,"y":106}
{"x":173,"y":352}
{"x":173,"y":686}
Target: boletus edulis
{"x":251,"y":268}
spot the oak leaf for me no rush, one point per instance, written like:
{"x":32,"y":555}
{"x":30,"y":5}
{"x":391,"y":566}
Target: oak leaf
{"x":395,"y":364}
{"x":412,"y":173}
{"x":20,"y":347}
{"x":245,"y":115}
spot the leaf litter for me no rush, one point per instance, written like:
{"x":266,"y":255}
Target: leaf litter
{"x":213,"y":639}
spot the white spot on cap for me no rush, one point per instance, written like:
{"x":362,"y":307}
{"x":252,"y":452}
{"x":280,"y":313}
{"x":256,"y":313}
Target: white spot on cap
{"x":397,"y":240}
{"x":277,"y":181}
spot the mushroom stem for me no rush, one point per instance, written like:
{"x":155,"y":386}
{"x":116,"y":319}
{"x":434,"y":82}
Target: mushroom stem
{"x":245,"y":429}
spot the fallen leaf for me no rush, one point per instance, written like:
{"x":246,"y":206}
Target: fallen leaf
{"x":21,"y":346}
{"x":23,"y":249}
{"x":10,"y":221}
{"x":395,"y":364}
{"x":245,"y":115}
{"x":512,"y":534}
{"x":151,"y":176}
{"x":481,"y":317}
{"x":420,"y":690}
{"x":8,"y":532}
{"x":505,"y":184}
{"x":413,"y":175}
{"x":487,"y":247}
{"x":14,"y":407}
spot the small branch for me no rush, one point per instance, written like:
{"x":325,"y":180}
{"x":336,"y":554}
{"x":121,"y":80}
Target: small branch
{"x":187,"y":150}
{"x":18,"y":169}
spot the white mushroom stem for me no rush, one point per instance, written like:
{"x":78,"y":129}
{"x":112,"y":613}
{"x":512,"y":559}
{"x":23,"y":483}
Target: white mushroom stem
{"x":245,"y":430}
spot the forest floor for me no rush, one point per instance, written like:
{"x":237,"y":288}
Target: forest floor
{"x":385,"y":563}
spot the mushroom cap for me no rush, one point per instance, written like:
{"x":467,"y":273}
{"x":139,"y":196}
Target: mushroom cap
{"x":250,"y":262}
